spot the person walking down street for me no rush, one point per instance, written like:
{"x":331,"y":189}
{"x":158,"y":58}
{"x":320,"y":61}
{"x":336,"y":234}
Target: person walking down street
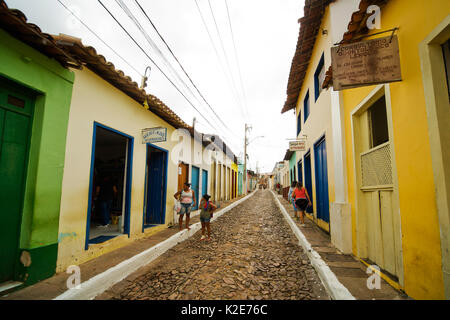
{"x":206,"y":214}
{"x":105,"y":193}
{"x":187,"y":200}
{"x":302,"y":200}
{"x":291,"y":200}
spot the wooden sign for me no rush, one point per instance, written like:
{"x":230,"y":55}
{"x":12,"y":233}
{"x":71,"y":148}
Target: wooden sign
{"x":366,"y":63}
{"x":297,"y":146}
{"x":152,"y":135}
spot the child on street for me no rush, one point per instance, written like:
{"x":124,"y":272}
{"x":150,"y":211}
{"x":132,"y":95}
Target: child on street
{"x":206,"y":214}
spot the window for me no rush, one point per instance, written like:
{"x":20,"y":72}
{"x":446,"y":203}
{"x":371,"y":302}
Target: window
{"x":306,"y":106}
{"x":299,"y":123}
{"x":446,"y":52}
{"x":378,"y":125}
{"x":319,"y":77}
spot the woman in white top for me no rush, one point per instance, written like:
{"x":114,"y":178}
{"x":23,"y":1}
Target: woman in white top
{"x":187,"y":200}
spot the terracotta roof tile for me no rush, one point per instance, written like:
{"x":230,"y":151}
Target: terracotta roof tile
{"x":309,"y":28}
{"x":15,"y":22}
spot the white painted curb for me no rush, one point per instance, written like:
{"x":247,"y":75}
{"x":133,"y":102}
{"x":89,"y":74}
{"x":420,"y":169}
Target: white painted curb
{"x":95,"y":286}
{"x":335,"y":289}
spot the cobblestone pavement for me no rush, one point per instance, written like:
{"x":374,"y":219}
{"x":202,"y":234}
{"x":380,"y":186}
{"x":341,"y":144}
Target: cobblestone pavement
{"x":252,"y":255}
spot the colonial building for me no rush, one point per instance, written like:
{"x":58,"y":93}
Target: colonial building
{"x":396,"y":135}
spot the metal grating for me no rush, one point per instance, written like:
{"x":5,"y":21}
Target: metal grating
{"x":376,"y":167}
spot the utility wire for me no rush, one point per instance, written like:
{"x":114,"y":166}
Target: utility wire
{"x":181,"y":66}
{"x":99,"y":38}
{"x":237,"y":58}
{"x":153,"y":45}
{"x":127,"y":11}
{"x":230,"y":83}
{"x":223,"y":47}
{"x":131,"y":37}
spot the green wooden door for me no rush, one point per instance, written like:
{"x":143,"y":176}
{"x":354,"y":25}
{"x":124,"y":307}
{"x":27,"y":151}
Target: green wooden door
{"x":15,"y":124}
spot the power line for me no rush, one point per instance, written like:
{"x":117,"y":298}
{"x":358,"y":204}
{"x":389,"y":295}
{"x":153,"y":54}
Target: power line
{"x":223,"y":47}
{"x":231,"y":86}
{"x":237,"y":58}
{"x":155,"y":47}
{"x":131,"y":37}
{"x":176,"y":59}
{"x":98,"y":37}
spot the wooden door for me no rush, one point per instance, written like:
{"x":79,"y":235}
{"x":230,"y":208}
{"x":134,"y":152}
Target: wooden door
{"x":183,"y":175}
{"x":15,"y":128}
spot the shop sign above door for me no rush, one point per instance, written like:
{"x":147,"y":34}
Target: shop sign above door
{"x":366,"y":63}
{"x":297,"y":145}
{"x":153,"y":135}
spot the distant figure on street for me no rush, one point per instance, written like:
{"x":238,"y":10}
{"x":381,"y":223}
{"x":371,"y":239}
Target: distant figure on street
{"x":291,"y":190}
{"x":187,"y":200}
{"x":206,"y":214}
{"x":302,"y":200}
{"x":105,"y":192}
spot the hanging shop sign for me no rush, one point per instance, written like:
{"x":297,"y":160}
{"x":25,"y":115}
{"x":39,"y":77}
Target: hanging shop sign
{"x":366,"y":63}
{"x":152,"y":135}
{"x":298,"y":145}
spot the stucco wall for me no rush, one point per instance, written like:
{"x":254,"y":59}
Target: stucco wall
{"x":419,"y":221}
{"x":94,"y":99}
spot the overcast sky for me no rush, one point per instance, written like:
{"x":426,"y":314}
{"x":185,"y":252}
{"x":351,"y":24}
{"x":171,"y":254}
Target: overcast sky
{"x":265,"y":34}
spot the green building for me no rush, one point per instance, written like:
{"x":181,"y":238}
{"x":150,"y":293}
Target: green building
{"x":35,"y":96}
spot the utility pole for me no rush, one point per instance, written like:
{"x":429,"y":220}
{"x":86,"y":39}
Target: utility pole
{"x":247,"y":128}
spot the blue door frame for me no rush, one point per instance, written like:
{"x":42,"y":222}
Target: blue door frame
{"x":308,"y":179}
{"x":155,"y":186}
{"x":195,"y":181}
{"x":204,"y":184}
{"x":129,"y":171}
{"x":300,"y":171}
{"x":320,"y":164}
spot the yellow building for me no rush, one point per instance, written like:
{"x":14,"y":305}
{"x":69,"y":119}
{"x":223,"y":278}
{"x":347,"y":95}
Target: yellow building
{"x":398,"y":161}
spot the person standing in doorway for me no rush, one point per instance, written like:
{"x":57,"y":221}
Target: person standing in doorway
{"x":302,"y":200}
{"x":206,"y":214}
{"x":187,"y":200}
{"x":291,"y":190}
{"x":105,"y":192}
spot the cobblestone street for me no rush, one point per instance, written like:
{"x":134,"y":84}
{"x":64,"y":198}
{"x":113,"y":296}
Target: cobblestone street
{"x":252,"y":255}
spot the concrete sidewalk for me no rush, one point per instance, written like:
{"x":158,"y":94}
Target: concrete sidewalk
{"x":55,"y":286}
{"x":350,"y":272}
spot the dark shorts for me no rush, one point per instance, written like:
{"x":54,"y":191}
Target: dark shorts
{"x":205,"y":219}
{"x":301,"y":204}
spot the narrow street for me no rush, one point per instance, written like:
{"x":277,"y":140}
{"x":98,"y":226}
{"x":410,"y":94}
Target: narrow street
{"x":252,"y":255}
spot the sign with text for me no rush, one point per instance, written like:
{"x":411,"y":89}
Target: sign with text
{"x":366,"y":63}
{"x":297,"y":146}
{"x":153,"y":135}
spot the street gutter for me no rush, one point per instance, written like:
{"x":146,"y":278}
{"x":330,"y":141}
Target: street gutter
{"x":335,"y":289}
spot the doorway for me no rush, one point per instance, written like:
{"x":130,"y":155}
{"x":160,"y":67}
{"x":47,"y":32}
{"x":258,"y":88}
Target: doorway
{"x":308,"y":180}
{"x":380,"y":236}
{"x":204,"y":183}
{"x":16,"y":110}
{"x":300,"y":171}
{"x":320,"y":166}
{"x":183,"y":175}
{"x":195,"y":181}
{"x":156,"y":187}
{"x":110,"y":187}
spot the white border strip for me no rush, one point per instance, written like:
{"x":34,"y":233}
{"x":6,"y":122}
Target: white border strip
{"x":335,"y":289}
{"x":95,"y":286}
